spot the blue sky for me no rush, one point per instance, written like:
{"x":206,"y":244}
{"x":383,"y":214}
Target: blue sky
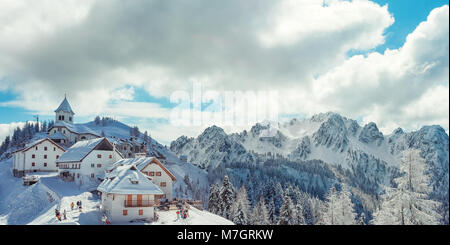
{"x":146,"y":68}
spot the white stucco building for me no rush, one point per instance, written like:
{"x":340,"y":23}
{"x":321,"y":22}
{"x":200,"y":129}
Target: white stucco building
{"x":38,"y":156}
{"x":64,"y":131}
{"x":154,"y":170}
{"x":127,"y":194}
{"x":86,"y":160}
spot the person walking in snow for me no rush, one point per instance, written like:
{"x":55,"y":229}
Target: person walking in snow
{"x":64,"y":214}
{"x":58,"y":215}
{"x":71,"y":206}
{"x":80,"y":207}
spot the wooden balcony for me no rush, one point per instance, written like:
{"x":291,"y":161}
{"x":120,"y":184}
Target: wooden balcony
{"x":140,"y":203}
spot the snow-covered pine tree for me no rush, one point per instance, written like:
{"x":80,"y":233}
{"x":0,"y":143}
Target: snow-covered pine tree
{"x":278,"y":198}
{"x":241,"y":208}
{"x":409,"y":203}
{"x":329,"y":209}
{"x":213,"y":199}
{"x":346,"y":210}
{"x":271,"y":211}
{"x":362,"y":219}
{"x":227,"y":197}
{"x":287,"y":212}
{"x":260,"y":215}
{"x":299,"y":218}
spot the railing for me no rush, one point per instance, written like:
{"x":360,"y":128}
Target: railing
{"x":140,"y":203}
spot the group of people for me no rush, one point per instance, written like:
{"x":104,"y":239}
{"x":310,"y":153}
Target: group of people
{"x":182,"y":213}
{"x":58,"y":214}
{"x":78,"y":205}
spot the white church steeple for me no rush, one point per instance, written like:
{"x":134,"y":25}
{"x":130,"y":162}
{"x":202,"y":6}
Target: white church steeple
{"x":64,"y":112}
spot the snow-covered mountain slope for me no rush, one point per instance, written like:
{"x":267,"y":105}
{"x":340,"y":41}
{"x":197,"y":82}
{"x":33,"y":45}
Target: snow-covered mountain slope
{"x":336,"y":140}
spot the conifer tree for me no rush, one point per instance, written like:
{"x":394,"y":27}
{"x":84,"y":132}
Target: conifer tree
{"x":227,"y":197}
{"x":287,"y":212}
{"x":409,"y":203}
{"x":213,"y":199}
{"x":241,"y":208}
{"x":260,"y":215}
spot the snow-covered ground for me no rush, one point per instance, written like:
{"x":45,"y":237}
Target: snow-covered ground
{"x":36,"y":204}
{"x":196,"y":217}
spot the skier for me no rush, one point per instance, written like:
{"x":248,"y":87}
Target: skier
{"x":178,"y":215}
{"x":80,"y":207}
{"x":64,"y":214}
{"x":71,"y":206}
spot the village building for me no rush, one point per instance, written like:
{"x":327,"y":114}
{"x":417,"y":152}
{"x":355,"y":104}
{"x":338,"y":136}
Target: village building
{"x":87,"y":160}
{"x":154,"y":170}
{"x":127,"y":194}
{"x":130,"y":147}
{"x":64,"y":131}
{"x":38,"y":156}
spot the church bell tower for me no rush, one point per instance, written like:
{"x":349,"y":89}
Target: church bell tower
{"x":64,"y":112}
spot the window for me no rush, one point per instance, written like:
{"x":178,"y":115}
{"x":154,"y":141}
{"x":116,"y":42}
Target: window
{"x":141,"y":212}
{"x":33,"y":164}
{"x":99,"y":156}
{"x":57,"y":156}
{"x":70,"y":118}
{"x":45,"y":156}
{"x":36,"y":148}
{"x":146,"y":173}
{"x":125,"y":212}
{"x":45,"y":164}
{"x":99,"y":165}
{"x":92,"y":165}
{"x":92,"y":176}
{"x":45,"y":148}
{"x":78,"y":176}
{"x":62,"y":117}
{"x":54,"y":148}
{"x":158,"y":173}
{"x":152,"y":173}
{"x":163,"y":184}
{"x":33,"y":156}
{"x":57,"y":165}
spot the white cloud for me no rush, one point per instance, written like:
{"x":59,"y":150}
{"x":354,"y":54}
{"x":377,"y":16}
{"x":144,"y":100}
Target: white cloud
{"x":97,"y":51}
{"x":7,"y":129}
{"x":406,"y":87}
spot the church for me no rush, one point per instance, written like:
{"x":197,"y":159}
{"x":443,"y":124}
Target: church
{"x":64,"y":131}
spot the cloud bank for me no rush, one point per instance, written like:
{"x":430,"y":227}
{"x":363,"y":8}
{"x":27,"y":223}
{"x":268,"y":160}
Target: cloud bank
{"x":96,"y":50}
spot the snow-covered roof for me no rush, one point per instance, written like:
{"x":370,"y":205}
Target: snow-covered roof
{"x":128,"y":179}
{"x":141,"y":163}
{"x":75,"y":128}
{"x":79,"y":150}
{"x":65,"y":106}
{"x":57,"y":136}
{"x":36,"y":142}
